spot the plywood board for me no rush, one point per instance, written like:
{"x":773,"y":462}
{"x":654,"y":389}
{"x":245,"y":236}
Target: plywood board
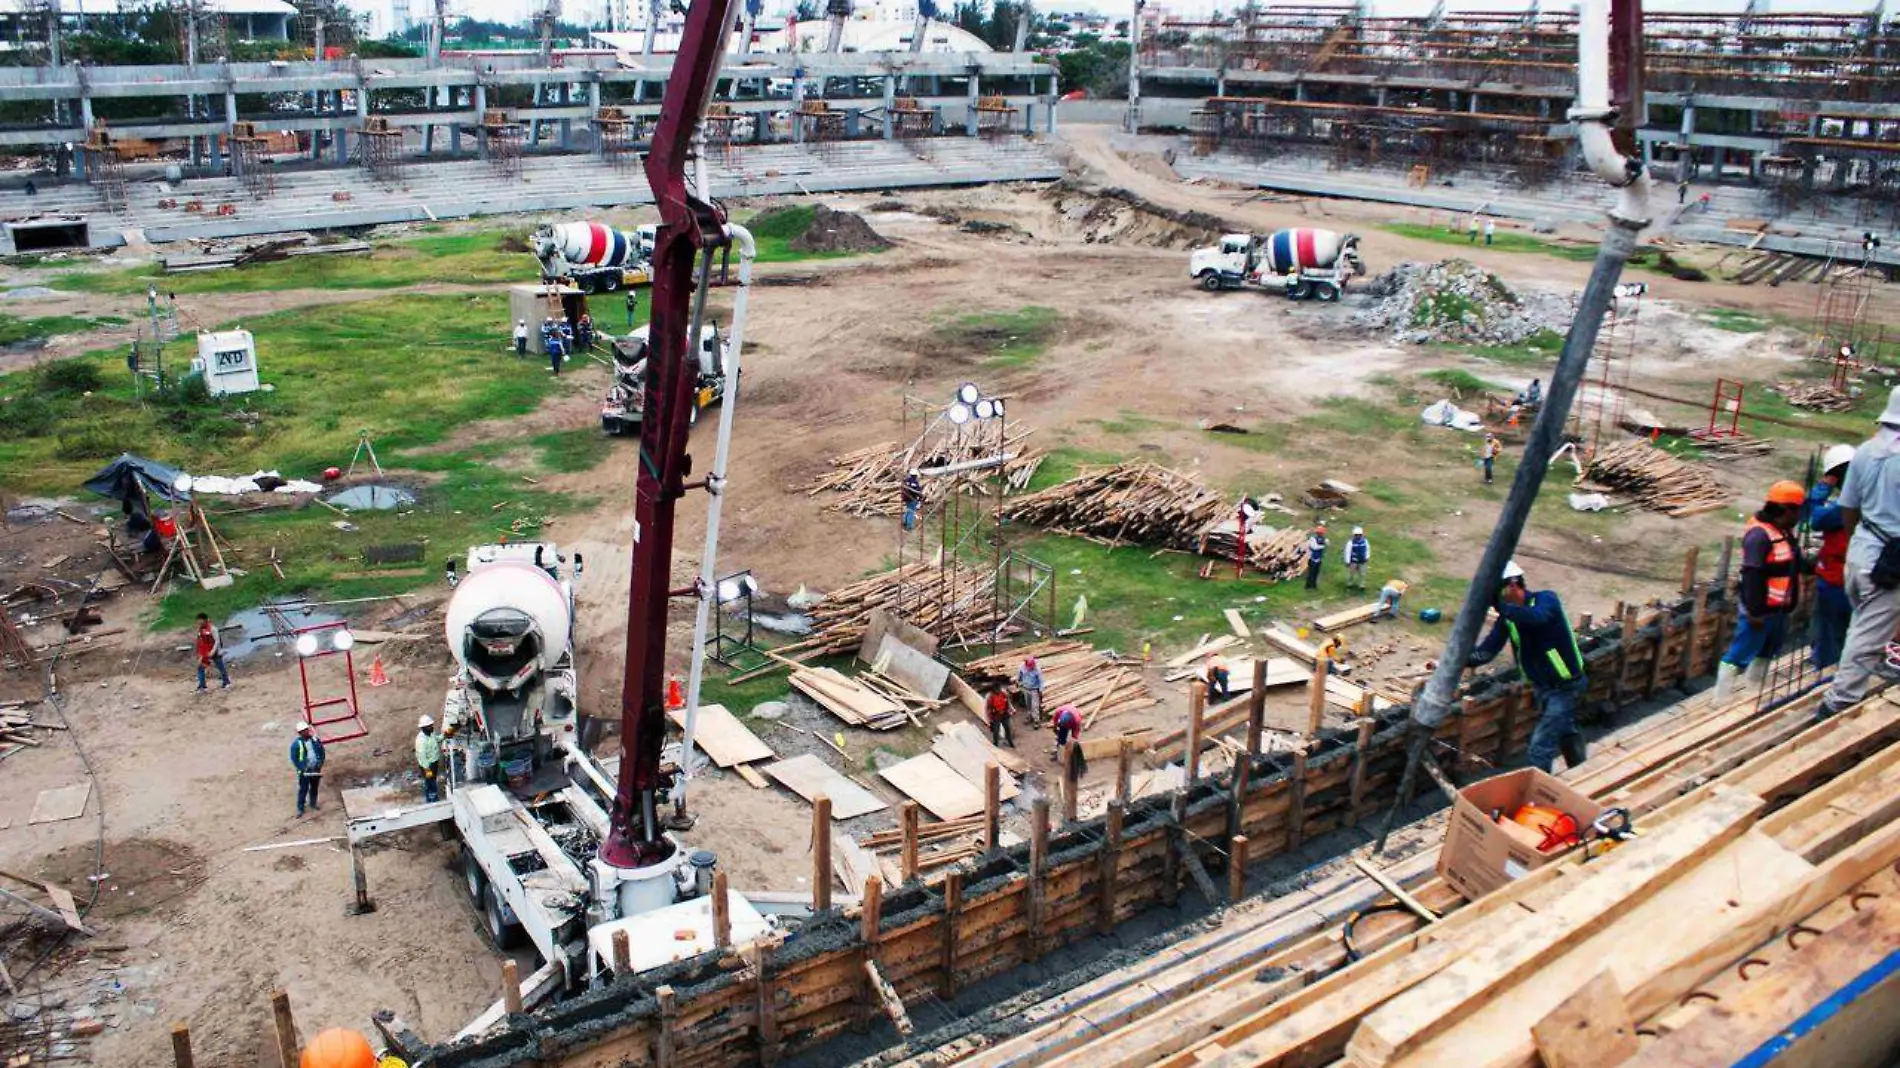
{"x":1213,"y":646}
{"x":1238,"y":625}
{"x":61,"y":803}
{"x":912,"y":667}
{"x":723,"y":738}
{"x":980,"y":733}
{"x":965,"y":749}
{"x":936,"y":786}
{"x":807,"y":776}
{"x":883,"y":623}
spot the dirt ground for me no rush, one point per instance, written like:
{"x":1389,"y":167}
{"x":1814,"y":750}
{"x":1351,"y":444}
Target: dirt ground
{"x":195,"y":926}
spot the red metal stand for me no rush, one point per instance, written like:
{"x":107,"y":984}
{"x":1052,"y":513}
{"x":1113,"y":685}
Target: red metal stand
{"x":1726,"y":405}
{"x":349,"y":723}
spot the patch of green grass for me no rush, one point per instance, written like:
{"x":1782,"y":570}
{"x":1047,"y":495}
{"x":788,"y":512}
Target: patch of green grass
{"x":1462,"y":381}
{"x":1001,"y":339}
{"x":1131,"y":422}
{"x":1359,"y":415}
{"x":1504,"y":241}
{"x":773,"y":231}
{"x":1734,"y":320}
{"x":14,"y":330}
{"x":571,"y":451}
{"x":1539,"y":350}
{"x":477,"y":257}
{"x":1063,"y":464}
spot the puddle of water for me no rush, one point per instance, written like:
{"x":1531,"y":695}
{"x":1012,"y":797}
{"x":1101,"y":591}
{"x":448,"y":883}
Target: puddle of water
{"x":376,"y":498}
{"x":260,"y":632}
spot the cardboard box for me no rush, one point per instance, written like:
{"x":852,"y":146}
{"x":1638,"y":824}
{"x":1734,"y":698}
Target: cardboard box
{"x":1481,"y":854}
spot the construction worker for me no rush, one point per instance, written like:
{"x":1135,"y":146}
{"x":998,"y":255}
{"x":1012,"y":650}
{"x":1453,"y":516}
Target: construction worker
{"x":1335,"y":653}
{"x":1000,"y":713}
{"x":1068,"y":724}
{"x":521,"y":337}
{"x":1029,"y":681}
{"x":1488,"y":454}
{"x":1315,"y":555}
{"x":1832,"y":610}
{"x":210,"y":649}
{"x":1870,"y":512}
{"x":1490,"y":230}
{"x":1389,"y":595}
{"x":1547,"y":657}
{"x":1216,"y":676}
{"x":1358,"y":555}
{"x":428,"y":758}
{"x":633,"y":308}
{"x":1472,"y":227}
{"x":306,"y":755}
{"x":584,"y":333}
{"x":1771,"y":587}
{"x":913,"y":497}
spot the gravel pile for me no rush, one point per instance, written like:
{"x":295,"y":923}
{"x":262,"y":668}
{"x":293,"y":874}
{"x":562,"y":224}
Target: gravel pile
{"x":1457,"y":301}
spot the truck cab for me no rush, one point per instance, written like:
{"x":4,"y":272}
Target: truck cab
{"x":625,"y":404}
{"x":1226,"y":265}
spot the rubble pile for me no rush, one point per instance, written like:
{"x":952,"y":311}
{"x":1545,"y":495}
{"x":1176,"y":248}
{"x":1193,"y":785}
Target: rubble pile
{"x":1457,"y":301}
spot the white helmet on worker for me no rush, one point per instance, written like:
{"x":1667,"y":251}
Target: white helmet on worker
{"x":425,"y":721}
{"x":302,"y":726}
{"x":1359,"y":530}
{"x":1511,"y":571}
{"x":1836,"y":456}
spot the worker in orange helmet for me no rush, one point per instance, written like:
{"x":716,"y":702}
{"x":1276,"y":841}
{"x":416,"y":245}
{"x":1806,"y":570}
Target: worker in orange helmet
{"x":1771,"y":587}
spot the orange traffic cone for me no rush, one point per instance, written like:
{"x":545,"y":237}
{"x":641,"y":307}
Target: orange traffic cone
{"x":377,"y":676}
{"x":675,"y":698}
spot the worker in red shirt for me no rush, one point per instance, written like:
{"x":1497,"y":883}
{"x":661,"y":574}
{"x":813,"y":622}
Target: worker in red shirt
{"x":1000,"y":714}
{"x":1068,"y":724}
{"x":210,"y":649}
{"x":1832,"y":609}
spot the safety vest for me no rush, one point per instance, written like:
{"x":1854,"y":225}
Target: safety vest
{"x":1780,"y":566}
{"x":1831,"y":565}
{"x":1567,"y":669}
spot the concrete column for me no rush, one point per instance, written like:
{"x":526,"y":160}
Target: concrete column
{"x":890,"y":101}
{"x":1049,"y":113}
{"x":534,"y":125}
{"x":1299,"y":93}
{"x":969,"y":112}
{"x":230,"y":109}
{"x":481,"y":107}
{"x":1473,"y":105}
{"x":342,"y":147}
{"x":85,"y":110}
{"x":1688,"y":139}
{"x":1220,"y":82}
{"x":798,"y":101}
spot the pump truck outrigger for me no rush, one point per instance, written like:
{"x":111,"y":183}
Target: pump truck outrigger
{"x":1301,"y":263}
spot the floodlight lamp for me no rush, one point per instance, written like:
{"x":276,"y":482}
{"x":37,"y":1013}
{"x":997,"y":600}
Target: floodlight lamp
{"x":306,"y":645}
{"x":343,"y":641}
{"x":1847,"y":352}
{"x":729,"y":590}
{"x":997,"y":407}
{"x":985,"y":408}
{"x":959,"y":413}
{"x":968,"y":393}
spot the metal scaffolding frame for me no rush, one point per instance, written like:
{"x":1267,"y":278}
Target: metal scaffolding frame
{"x":379,"y":146}
{"x":501,"y":143}
{"x":249,"y":163}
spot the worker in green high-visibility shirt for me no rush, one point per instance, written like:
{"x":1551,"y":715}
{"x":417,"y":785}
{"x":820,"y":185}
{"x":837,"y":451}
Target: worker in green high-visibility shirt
{"x":1547,"y":655}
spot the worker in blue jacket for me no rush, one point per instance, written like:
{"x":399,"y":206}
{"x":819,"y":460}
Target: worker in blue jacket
{"x":306,"y":755}
{"x":1548,"y":657}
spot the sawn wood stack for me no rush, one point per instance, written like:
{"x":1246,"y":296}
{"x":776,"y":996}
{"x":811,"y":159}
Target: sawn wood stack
{"x":1658,"y":480}
{"x":869,"y":481}
{"x":1135,"y":502}
{"x":1073,"y":673}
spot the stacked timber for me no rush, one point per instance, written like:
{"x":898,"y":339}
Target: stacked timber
{"x":869,"y":481}
{"x":1657,"y":480}
{"x":1278,"y":553}
{"x":868,"y":699}
{"x":1136,"y":502}
{"x":1814,"y":396}
{"x":1097,"y":683}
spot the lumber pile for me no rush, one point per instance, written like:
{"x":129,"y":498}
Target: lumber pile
{"x":1657,"y":480}
{"x":855,"y":700}
{"x":1277,"y":552}
{"x":17,"y":729}
{"x":1136,"y":502}
{"x":1073,"y":673}
{"x":869,"y":481}
{"x":1814,"y":396}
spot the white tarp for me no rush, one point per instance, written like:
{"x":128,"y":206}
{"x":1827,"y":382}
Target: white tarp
{"x":221,"y":485}
{"x":1445,"y":413}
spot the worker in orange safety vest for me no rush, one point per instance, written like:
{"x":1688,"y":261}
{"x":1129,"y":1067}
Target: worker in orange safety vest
{"x":1771,"y":586}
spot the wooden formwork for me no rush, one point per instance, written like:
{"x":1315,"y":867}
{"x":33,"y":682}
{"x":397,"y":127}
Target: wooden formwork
{"x":1012,"y":906}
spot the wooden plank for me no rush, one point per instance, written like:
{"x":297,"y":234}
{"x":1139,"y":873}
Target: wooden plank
{"x":807,"y":776}
{"x":751,"y":776}
{"x":936,"y":786}
{"x":1347,"y":618}
{"x":1592,"y":1027}
{"x":61,"y":803}
{"x":1620,"y":881}
{"x":722,"y":737}
{"x":1213,"y":646}
{"x":965,"y":749}
{"x":1238,"y":624}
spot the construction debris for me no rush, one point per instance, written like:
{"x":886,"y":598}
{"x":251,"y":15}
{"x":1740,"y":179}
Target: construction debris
{"x":1130,"y":502}
{"x":1454,"y":300}
{"x":1657,"y":480}
{"x":869,"y":481}
{"x":1097,"y":683}
{"x":1277,"y":552}
{"x":1813,"y":396}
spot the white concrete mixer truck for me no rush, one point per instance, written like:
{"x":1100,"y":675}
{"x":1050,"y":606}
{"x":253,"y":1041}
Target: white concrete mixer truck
{"x":1301,"y":263}
{"x":594,"y":257}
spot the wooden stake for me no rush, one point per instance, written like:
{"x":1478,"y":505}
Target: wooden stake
{"x":286,"y":1029}
{"x":821,"y":853}
{"x":1110,"y":870}
{"x":1296,"y":803}
{"x":1071,"y":772}
{"x":952,"y":921}
{"x":181,"y":1046}
{"x":1688,"y":569}
{"x":1316,"y":693}
{"x":1360,"y":745}
{"x":1038,"y":872}
{"x":907,"y":826}
{"x":873,"y":911}
{"x":1124,"y":768}
{"x":765,"y":996}
{"x":893,"y":1005}
{"x":721,"y":913}
{"x":1171,"y":860}
{"x":992,"y":805}
{"x":669,"y":1013}
{"x":1257,"y":707}
{"x":623,"y":954}
{"x":1236,"y":867}
{"x":1721,"y":565}
{"x":1237,"y":798}
{"x":1197,"y":712}
{"x":510,"y":987}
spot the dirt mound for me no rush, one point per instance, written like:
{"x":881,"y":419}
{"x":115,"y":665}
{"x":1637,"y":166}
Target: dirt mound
{"x":838,"y":231}
{"x":1454,"y":300}
{"x":1118,"y":217}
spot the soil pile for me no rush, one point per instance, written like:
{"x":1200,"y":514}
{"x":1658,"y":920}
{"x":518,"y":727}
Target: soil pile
{"x":1119,"y":217}
{"x":1455,"y":300}
{"x":838,"y":231}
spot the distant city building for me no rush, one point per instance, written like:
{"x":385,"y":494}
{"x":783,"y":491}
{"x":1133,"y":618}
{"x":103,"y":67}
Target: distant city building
{"x":251,"y":20}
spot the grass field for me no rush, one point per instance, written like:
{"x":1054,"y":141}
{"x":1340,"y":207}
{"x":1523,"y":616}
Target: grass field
{"x":14,"y":330}
{"x":476,"y":257}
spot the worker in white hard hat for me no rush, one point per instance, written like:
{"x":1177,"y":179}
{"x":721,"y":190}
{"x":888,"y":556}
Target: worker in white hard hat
{"x":1827,"y":631}
{"x":428,"y":758}
{"x":1358,"y":555}
{"x":1870,"y":512}
{"x":912,"y":494}
{"x":521,"y":337}
{"x":306,"y":755}
{"x":1547,"y":657}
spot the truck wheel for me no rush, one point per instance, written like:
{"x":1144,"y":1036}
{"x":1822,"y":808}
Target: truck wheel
{"x":610,"y":283}
{"x":1299,"y":291}
{"x":505,"y":935}
{"x":1325,"y":292}
{"x":473,"y":877}
{"x":1210,"y":281}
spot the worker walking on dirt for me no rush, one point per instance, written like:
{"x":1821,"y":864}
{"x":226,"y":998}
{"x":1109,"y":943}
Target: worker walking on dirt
{"x":1000,"y":713}
{"x":1488,"y":455}
{"x":1217,"y":678}
{"x":1358,"y":555}
{"x":913,"y":497}
{"x":306,"y":755}
{"x":633,"y":308}
{"x":521,"y":337}
{"x":1771,"y":587}
{"x":1490,"y":230}
{"x":210,"y":649}
{"x":1832,"y":611}
{"x":428,"y":758}
{"x":1548,"y":658}
{"x":1315,"y":555}
{"x":1068,"y":724}
{"x":1029,"y":681}
{"x":1870,"y":512}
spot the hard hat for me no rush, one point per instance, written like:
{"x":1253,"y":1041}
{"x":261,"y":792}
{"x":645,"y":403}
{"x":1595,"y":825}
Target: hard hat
{"x":1359,"y":530}
{"x":522,"y":322}
{"x":302,"y":727}
{"x":1511,"y":571}
{"x":1029,"y":661}
{"x":425,"y":721}
{"x":338,"y":1048}
{"x":1836,"y":456}
{"x":1787,"y":491}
